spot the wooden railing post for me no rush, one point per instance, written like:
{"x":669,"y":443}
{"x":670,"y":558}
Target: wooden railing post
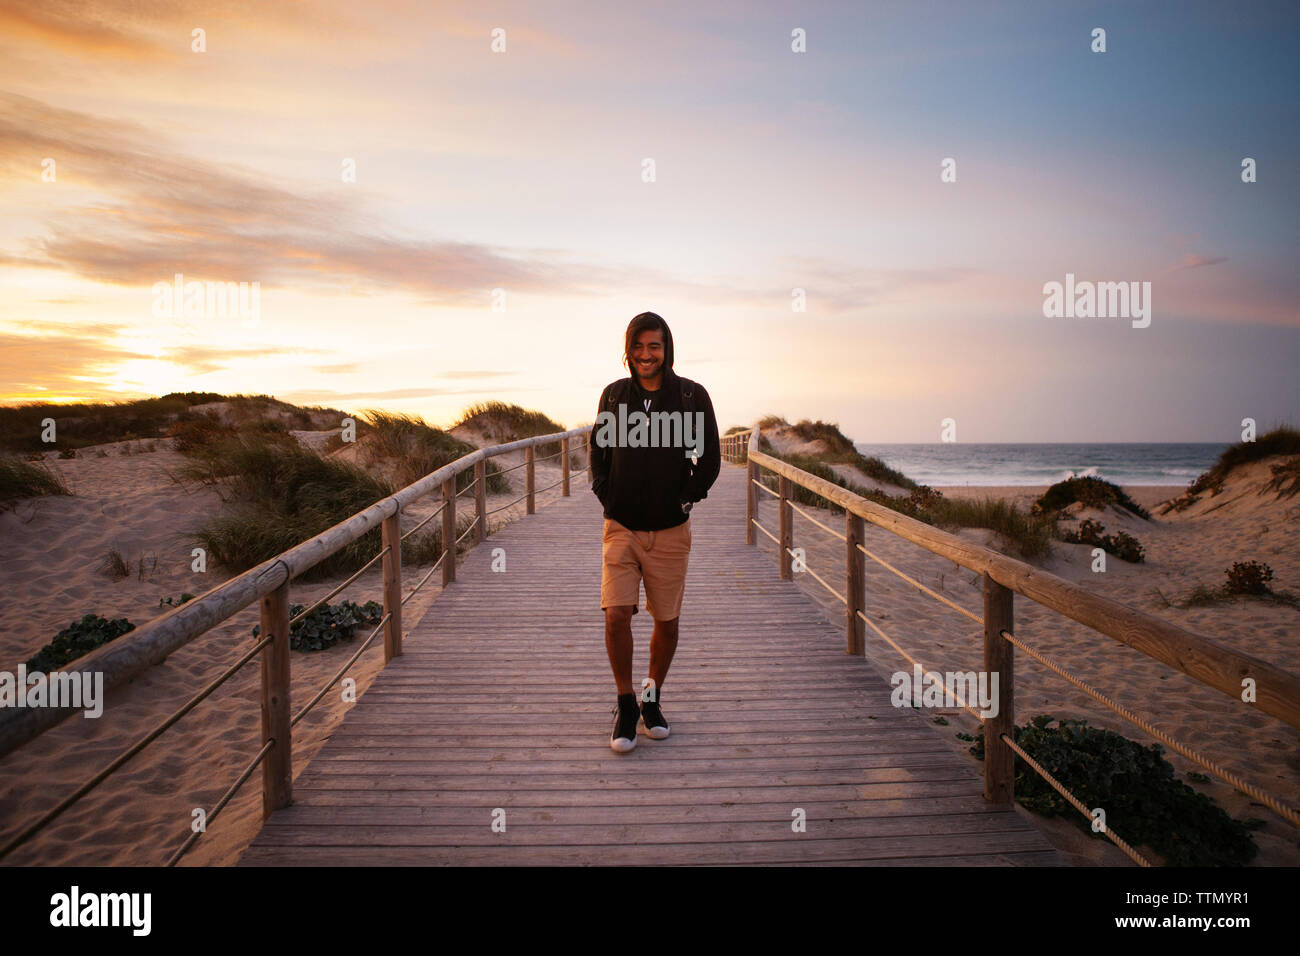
{"x":855,"y":587}
{"x":999,"y":658}
{"x":449,"y":531}
{"x":564,"y":470}
{"x":391,"y":535}
{"x":480,"y":501}
{"x":277,"y":766}
{"x":751,"y":501}
{"x":530,"y":464}
{"x":787,"y":529}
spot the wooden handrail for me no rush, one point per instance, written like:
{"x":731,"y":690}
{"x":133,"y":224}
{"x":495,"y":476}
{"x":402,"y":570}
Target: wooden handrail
{"x":1277,"y":690}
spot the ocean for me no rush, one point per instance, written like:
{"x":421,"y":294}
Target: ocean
{"x":1124,"y":463}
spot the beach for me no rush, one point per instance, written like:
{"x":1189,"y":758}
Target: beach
{"x":1182,"y":551}
{"x":50,"y":575}
{"x":128,"y":499}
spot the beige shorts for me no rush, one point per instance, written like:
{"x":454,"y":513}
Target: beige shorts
{"x":658,"y":557}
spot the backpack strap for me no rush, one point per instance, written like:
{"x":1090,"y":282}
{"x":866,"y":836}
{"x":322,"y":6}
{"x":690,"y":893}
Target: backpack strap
{"x":688,"y":409}
{"x":617,"y":393}
{"x":688,"y":395}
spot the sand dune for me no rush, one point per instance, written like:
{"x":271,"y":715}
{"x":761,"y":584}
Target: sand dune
{"x":49,"y":561}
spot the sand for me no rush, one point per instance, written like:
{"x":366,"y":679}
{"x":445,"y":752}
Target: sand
{"x":50,"y":553}
{"x":1183,"y":550}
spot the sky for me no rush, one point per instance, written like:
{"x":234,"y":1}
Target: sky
{"x":448,"y":203}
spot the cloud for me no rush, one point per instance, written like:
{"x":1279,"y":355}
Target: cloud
{"x":165,"y":213}
{"x":322,"y":396}
{"x":1191,"y":260}
{"x":68,"y":359}
{"x":80,"y":357}
{"x":153,"y":31}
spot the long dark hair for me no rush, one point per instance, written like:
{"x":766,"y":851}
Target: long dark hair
{"x":653,"y":322}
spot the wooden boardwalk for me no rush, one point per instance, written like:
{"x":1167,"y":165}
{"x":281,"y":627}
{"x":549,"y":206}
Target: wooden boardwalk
{"x":503,"y":700}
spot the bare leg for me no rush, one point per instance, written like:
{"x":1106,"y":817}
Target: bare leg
{"x":663,"y":645}
{"x":618,"y":643}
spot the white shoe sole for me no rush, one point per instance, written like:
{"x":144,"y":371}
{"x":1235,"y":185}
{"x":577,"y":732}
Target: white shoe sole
{"x":654,"y":733}
{"x":621,"y":745}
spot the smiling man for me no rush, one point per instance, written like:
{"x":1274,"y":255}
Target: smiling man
{"x":647,"y":489}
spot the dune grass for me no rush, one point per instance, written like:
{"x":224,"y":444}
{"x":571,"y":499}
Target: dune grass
{"x":503,"y":422}
{"x":420,"y":449}
{"x":1088,"y":490}
{"x":281,"y":494}
{"x":839,"y":449}
{"x":81,"y":424}
{"x":1279,"y":441}
{"x":22,"y":479}
{"x":1285,"y":480}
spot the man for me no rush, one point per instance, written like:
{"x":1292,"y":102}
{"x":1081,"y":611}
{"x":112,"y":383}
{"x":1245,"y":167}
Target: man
{"x":647,"y":490}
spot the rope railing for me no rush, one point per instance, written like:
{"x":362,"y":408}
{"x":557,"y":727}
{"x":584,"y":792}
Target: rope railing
{"x":121,"y":760}
{"x":1284,"y":810}
{"x":433,"y":567}
{"x":220,"y":804}
{"x":269,"y":581}
{"x":1002,"y":577}
{"x":341,"y":671}
{"x":1074,"y":801}
{"x":438,"y":511}
{"x":337,"y":590}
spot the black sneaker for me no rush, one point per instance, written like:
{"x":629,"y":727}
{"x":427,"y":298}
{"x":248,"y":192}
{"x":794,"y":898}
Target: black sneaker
{"x":652,"y":718}
{"x":623,"y":738}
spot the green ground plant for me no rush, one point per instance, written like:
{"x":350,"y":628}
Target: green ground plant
{"x":329,"y":624}
{"x":1133,"y":784}
{"x":76,"y":640}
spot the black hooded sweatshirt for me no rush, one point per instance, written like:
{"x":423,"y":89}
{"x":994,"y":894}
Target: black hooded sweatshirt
{"x":644,"y":488}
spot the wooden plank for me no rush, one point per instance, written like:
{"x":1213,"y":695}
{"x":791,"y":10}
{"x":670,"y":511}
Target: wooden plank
{"x":780,"y":849}
{"x":503,"y":699}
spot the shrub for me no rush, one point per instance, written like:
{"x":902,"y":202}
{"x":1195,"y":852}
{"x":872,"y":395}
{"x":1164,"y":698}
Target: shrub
{"x":1089,"y":491}
{"x":1136,"y":787}
{"x":1249,"y":577}
{"x":77,"y":640}
{"x":328,"y":624}
{"x":284,"y":494}
{"x":1123,"y":545}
